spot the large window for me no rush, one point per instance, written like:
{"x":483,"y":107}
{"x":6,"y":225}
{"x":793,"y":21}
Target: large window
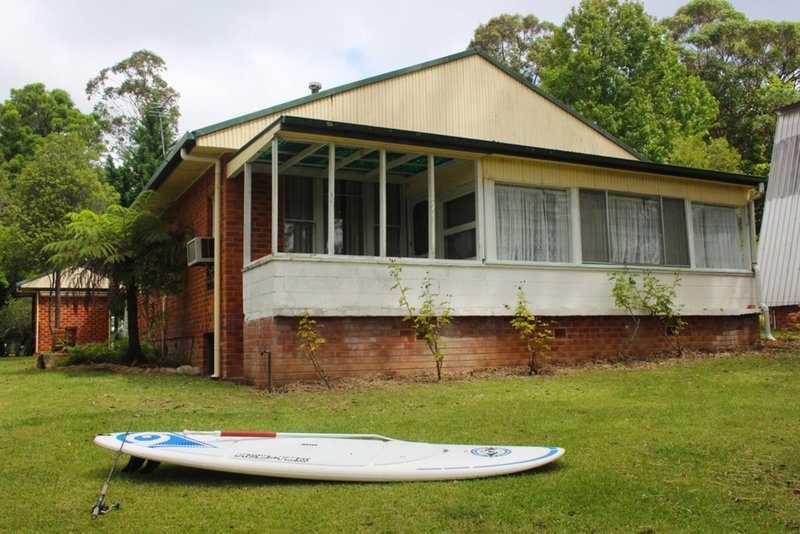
{"x":633,"y":229}
{"x":721,"y":237}
{"x":532,"y":224}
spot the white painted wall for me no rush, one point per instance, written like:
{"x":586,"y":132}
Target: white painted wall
{"x":289,"y":285}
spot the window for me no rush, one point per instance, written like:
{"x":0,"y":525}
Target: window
{"x":721,"y":237}
{"x":298,"y":206}
{"x":459,"y":227}
{"x":633,"y":229}
{"x":394,"y":222}
{"x":349,"y":218}
{"x":420,"y":231}
{"x":533,"y":224}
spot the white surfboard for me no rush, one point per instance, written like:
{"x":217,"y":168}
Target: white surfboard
{"x":346,"y":457}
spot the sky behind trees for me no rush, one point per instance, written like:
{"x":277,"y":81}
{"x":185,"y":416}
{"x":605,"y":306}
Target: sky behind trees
{"x":250,"y":54}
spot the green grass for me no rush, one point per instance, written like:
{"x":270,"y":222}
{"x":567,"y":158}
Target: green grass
{"x":706,"y":446}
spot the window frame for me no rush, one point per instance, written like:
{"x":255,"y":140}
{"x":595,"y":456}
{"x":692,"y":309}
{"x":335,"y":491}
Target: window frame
{"x":608,"y":238}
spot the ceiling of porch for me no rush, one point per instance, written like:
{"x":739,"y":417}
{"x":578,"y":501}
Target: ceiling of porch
{"x":312,"y":157}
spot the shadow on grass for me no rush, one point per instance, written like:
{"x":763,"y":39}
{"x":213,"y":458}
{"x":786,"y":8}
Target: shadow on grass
{"x":175,"y":475}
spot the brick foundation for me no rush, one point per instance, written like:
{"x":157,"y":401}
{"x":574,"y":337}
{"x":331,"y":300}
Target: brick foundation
{"x":388,"y":346}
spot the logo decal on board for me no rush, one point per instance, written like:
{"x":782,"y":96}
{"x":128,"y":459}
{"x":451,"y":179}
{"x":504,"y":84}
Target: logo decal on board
{"x":162,"y":439}
{"x":490,"y":452}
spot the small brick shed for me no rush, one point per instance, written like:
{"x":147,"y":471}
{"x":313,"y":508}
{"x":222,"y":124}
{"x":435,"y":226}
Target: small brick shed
{"x":84,"y":311}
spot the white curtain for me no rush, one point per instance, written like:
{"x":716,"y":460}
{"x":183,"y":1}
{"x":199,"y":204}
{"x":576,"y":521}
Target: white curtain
{"x":532,"y":224}
{"x":719,"y":242}
{"x":635,"y":230}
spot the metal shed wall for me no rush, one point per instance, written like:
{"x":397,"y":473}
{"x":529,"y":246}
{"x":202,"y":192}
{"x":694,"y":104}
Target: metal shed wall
{"x":779,"y":245}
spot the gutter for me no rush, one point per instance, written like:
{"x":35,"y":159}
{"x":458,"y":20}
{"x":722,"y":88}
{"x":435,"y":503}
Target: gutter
{"x":217,"y":235}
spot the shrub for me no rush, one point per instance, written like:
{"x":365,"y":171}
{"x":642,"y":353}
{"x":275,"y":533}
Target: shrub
{"x":429,"y":319}
{"x":534,"y":332}
{"x":642,"y":292}
{"x":91,"y":353}
{"x":310,"y":342}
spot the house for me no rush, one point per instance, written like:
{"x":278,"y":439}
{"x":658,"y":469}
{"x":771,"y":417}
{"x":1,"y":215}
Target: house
{"x":79,"y":314}
{"x":457,"y":170}
{"x":779,"y":247}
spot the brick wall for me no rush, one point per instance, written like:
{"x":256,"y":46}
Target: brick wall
{"x":357,"y":346}
{"x":190,"y":313}
{"x":779,"y":315}
{"x":90,"y":318}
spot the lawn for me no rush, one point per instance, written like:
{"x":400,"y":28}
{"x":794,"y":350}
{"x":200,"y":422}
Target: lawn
{"x":703,"y":445}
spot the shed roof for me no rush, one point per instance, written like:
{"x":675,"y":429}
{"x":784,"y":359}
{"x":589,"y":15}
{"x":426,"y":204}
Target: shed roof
{"x":70,"y":280}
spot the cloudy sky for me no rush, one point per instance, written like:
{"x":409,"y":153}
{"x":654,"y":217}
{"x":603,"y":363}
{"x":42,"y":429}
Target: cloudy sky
{"x":231,"y":57}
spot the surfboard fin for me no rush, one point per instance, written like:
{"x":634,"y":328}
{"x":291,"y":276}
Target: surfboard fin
{"x":149,"y":467}
{"x":134,"y":464}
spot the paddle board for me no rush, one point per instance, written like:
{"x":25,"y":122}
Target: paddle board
{"x":345,"y":457}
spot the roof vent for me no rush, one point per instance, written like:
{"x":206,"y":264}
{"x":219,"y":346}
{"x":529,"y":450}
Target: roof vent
{"x":315,"y":87}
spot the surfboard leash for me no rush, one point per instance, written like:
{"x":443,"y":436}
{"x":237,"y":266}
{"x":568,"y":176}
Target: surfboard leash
{"x":100,"y":506}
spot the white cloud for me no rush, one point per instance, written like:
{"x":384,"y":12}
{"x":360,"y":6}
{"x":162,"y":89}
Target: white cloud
{"x":228,"y":59}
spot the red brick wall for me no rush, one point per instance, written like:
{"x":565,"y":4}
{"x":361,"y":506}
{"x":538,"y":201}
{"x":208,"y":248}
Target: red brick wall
{"x":190,"y":314}
{"x":90,"y":318}
{"x":778,"y":315}
{"x":357,"y":346}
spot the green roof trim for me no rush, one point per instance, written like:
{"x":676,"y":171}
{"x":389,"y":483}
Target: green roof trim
{"x":171,"y":160}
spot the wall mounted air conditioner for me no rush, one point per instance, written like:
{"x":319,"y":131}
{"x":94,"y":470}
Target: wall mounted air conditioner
{"x":200,"y":251}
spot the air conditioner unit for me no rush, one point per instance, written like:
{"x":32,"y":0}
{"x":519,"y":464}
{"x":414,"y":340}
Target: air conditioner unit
{"x":200,"y":251}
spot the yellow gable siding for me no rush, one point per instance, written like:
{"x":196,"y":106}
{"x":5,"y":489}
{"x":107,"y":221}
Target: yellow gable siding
{"x":562,"y":175}
{"x":468,"y":97}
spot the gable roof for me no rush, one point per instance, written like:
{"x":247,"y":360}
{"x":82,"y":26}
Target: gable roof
{"x":435,"y":99}
{"x":281,"y":109}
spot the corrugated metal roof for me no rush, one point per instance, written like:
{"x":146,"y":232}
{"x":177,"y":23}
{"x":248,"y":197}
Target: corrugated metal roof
{"x":779,"y":244}
{"x":70,"y":280}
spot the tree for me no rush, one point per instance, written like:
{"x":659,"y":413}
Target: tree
{"x":751,"y":67}
{"x":141,"y":113}
{"x":61,"y":176}
{"x":131,"y":247}
{"x":612,"y":63}
{"x":516,"y":41}
{"x":695,"y":151}
{"x":33,"y":113}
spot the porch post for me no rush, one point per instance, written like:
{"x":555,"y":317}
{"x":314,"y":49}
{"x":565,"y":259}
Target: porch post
{"x":274,"y":206}
{"x":431,"y":208}
{"x":479,"y":214}
{"x":331,"y":199}
{"x":382,"y":204}
{"x":248,"y":208}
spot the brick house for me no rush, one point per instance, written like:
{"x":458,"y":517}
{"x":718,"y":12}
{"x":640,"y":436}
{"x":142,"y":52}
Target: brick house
{"x":84,"y":314}
{"x":458,"y":170}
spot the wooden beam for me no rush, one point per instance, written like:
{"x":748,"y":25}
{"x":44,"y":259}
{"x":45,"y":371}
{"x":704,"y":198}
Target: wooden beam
{"x":300,"y":156}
